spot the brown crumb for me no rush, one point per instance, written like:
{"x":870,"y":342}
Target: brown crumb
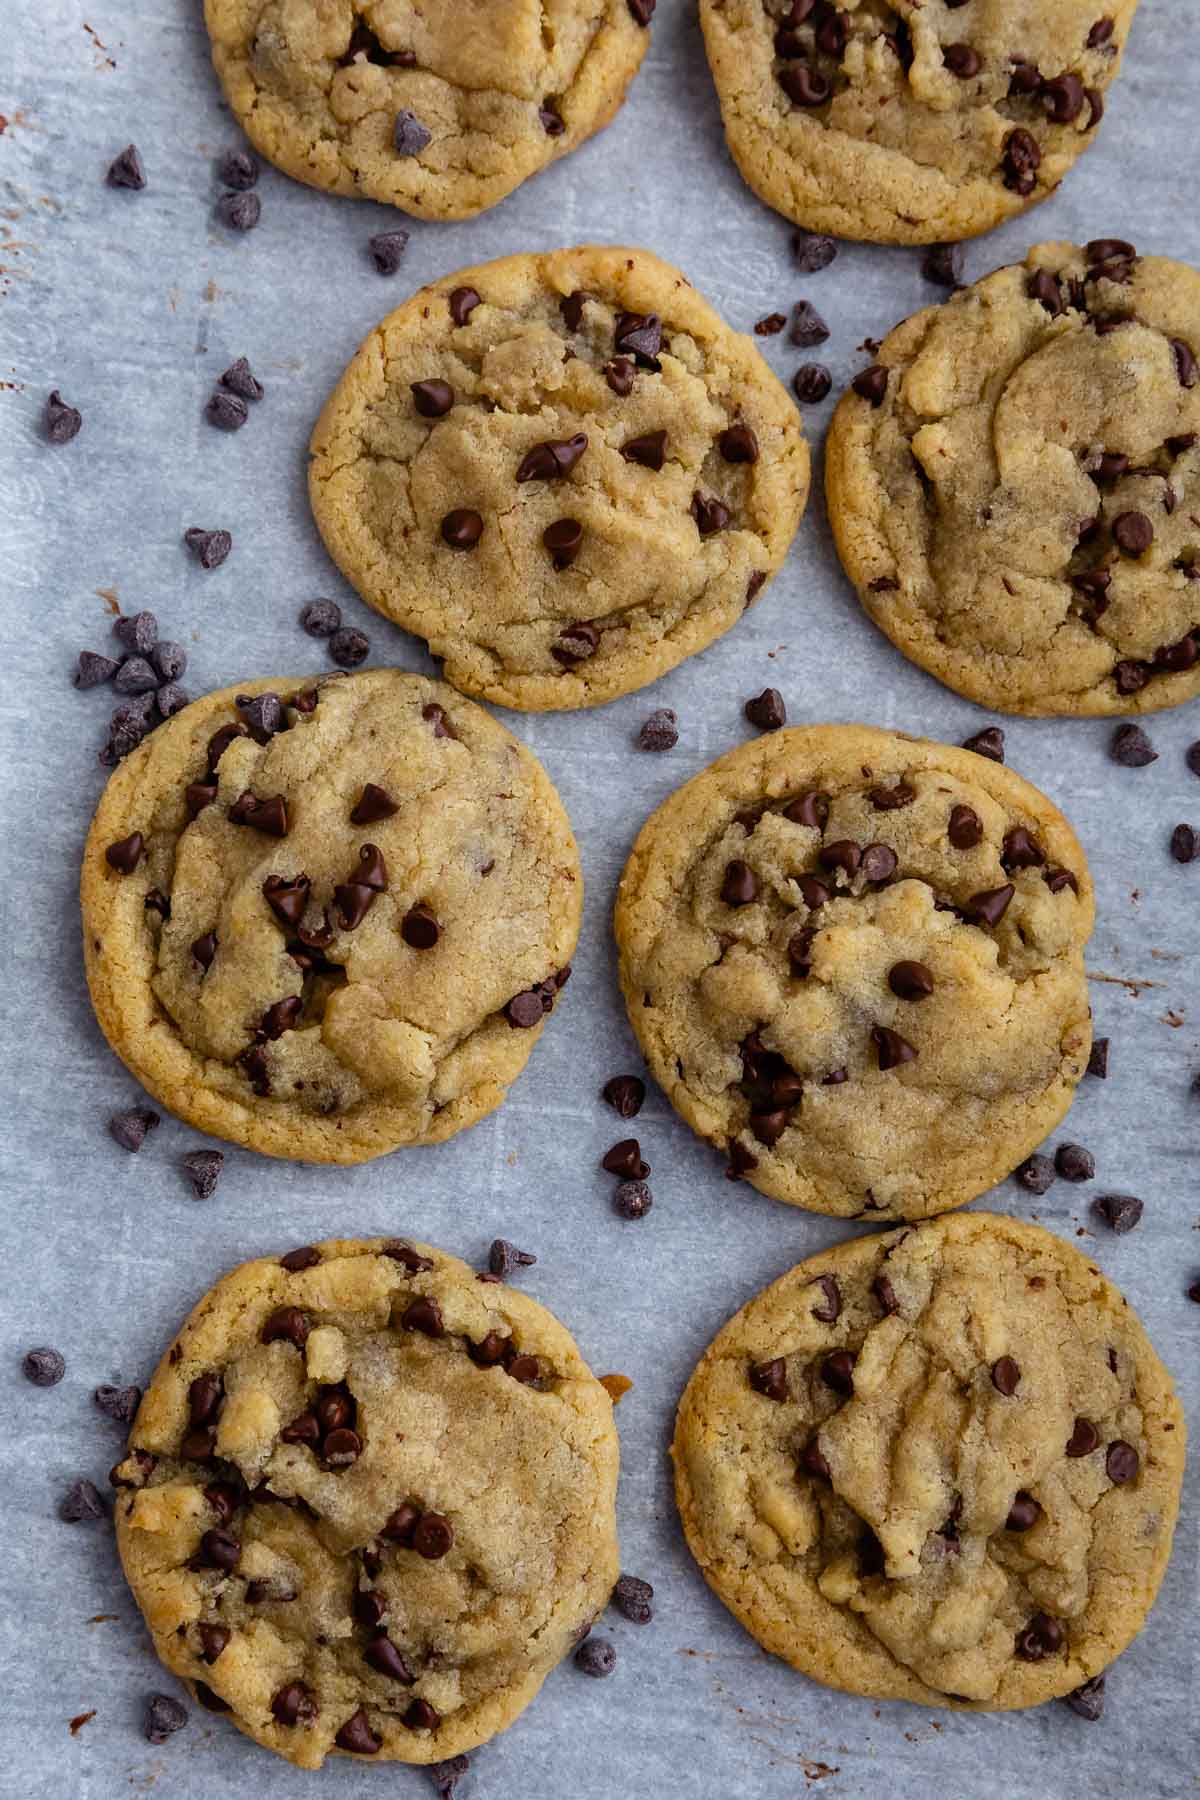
{"x":101,"y":1618}
{"x":80,"y":1720}
{"x":1173,"y":1018}
{"x":111,"y":599}
{"x":616,"y":1387}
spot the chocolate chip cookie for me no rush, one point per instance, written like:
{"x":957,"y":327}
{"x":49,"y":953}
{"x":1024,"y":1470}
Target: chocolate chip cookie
{"x":564,"y":471}
{"x":441,"y":110}
{"x":327,"y":918}
{"x":1013,"y":485}
{"x":940,"y":1464}
{"x":910,"y":122}
{"x":854,"y":962}
{"x":368,"y":1502}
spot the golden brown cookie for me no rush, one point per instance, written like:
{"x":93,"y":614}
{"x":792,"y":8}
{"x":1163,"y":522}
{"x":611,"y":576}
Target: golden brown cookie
{"x":854,"y":962}
{"x":325,"y":919}
{"x":564,"y":471}
{"x":1013,"y":484}
{"x":441,"y":110}
{"x":915,"y":121}
{"x":368,"y":1502}
{"x":939,"y":1464}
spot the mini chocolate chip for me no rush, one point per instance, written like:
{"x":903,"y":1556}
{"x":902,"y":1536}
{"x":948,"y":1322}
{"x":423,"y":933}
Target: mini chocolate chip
{"x":1087,"y":1701}
{"x":830,"y":1308}
{"x":837,"y":1372}
{"x":1023,"y":1512}
{"x":770,"y":1379}
{"x":203,"y":1170}
{"x":286,"y":1323}
{"x":424,"y":1315}
{"x":204,"y":949}
{"x":659,"y":732}
{"x":237,"y":169}
{"x":943,"y":264}
{"x":1074,"y":1163}
{"x":811,"y":382}
{"x":92,"y":669}
{"x":1006,"y":1376}
{"x":45,"y":1367}
{"x":349,"y":646}
{"x":402,"y":1523}
{"x":767,"y":710}
{"x":1021,"y":850}
{"x":433,"y":1536}
{"x":387,"y":250}
{"x":885,"y":1293}
{"x":462,"y":528}
{"x":219,"y":1550}
{"x":226,"y":411}
{"x":62,"y":422}
{"x":409,"y":135}
{"x":632,"y":1598}
{"x":800,"y":950}
{"x":576,"y":642}
{"x":420,"y":1716}
{"x":1185,"y":362}
{"x":910,"y":980}
{"x":1133,"y":533}
{"x":433,"y":399}
{"x":738,"y":444}
{"x":127,"y":170}
{"x":619,"y":374}
{"x":871,"y":384}
{"x":551,"y":459}
{"x":164,"y":1716}
{"x":1185,"y":843}
{"x":341,"y":1447}
{"x":525,"y":1369}
{"x":891,"y":1050}
{"x":808,"y":327}
{"x":648,"y":451}
{"x":1131,"y":747}
{"x":373,"y":804}
{"x":321,"y":618}
{"x":740,"y":884}
{"x":1041,"y":1638}
{"x":1121,"y":1212}
{"x":462,"y":302}
{"x":1036,"y":1174}
{"x":116,"y":1403}
{"x":306,"y":1257}
{"x":81,"y":1503}
{"x":240,"y":379}
{"x":206,"y":1395}
{"x":129,"y":1128}
{"x":625,"y":1159}
{"x":638,"y":335}
{"x":357,"y":1736}
{"x":1083,"y":1439}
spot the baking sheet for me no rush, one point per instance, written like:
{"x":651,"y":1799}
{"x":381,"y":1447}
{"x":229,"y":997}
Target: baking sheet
{"x":132,"y":304}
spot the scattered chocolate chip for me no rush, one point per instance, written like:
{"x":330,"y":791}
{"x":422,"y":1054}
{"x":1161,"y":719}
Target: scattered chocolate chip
{"x":237,"y":169}
{"x":81,"y":1503}
{"x":240,"y":379}
{"x":811,"y":382}
{"x":943,"y":264}
{"x":1133,"y":533}
{"x":632,"y":1199}
{"x":808,"y":327}
{"x":349,"y":646}
{"x":891,"y":1050}
{"x":203,"y":1170}
{"x":462,"y":302}
{"x":164,"y":1716}
{"x":648,"y":451}
{"x":92,"y":670}
{"x":812,"y":252}
{"x":989,"y":742}
{"x":286,"y":1323}
{"x":357,"y":1736}
{"x":1087,"y":1701}
{"x":1006,"y":1376}
{"x":127,"y":170}
{"x":117,"y":1403}
{"x":596,"y":1656}
{"x":129,"y":1128}
{"x":504,"y":1257}
{"x":137,"y":631}
{"x":135,"y":676}
{"x":632,"y":1598}
{"x":767,"y":710}
{"x":1185,"y":843}
{"x":837,"y":1372}
{"x":321,"y":618}
{"x":626,"y":1095}
{"x":871,"y":384}
{"x":625,"y":1159}
{"x":1074,"y":1163}
{"x":239,"y":211}
{"x":1121,"y":1212}
{"x":1036,"y":1174}
{"x":387,"y":250}
{"x":1083,"y":1439}
{"x":740,"y":884}
{"x":226,"y":411}
{"x":170,"y":699}
{"x":1098,"y":1060}
{"x":830,"y":1308}
{"x":63,"y":422}
{"x":659,"y":732}
{"x":1131,"y":747}
{"x":44,"y":1367}
{"x":462,"y":528}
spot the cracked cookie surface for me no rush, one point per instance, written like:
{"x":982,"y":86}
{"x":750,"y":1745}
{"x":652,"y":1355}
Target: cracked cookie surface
{"x":940,"y":1464}
{"x":368,"y":1502}
{"x":440,"y":110}
{"x":1014,"y":488}
{"x":564,"y":471}
{"x":911,"y":122}
{"x":854,"y":962}
{"x":326,"y":919}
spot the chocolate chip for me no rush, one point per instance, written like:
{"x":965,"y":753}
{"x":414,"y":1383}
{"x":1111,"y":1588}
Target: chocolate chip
{"x":943,"y":264}
{"x":1041,"y":1638}
{"x":167,"y":659}
{"x":596,"y":1656}
{"x":1185,"y":843}
{"x":1083,"y":1439}
{"x":738,"y":444}
{"x":341,"y":1447}
{"x":1133,"y":533}
{"x":321,"y":618}
{"x":1023,"y":1512}
{"x":649,"y":450}
{"x":803,"y":85}
{"x":62,"y":422}
{"x":424,"y":1315}
{"x":885,"y":1293}
{"x":800,"y":951}
{"x":306,"y":1257}
{"x":740,"y":884}
{"x":989,"y":742}
{"x":767,"y":710}
{"x":81,"y":1503}
{"x":1021,"y":160}
{"x":626,"y":1095}
{"x":1063,"y":98}
{"x":357,"y":1737}
{"x":462,"y":528}
{"x":1006,"y":1376}
{"x":1036,"y":1174}
{"x":387,"y":250}
{"x":210,"y":1701}
{"x":814,"y":893}
{"x":129,"y":1128}
{"x":830,"y":1308}
{"x":619,"y":374}
{"x":808,"y":327}
{"x":871,"y":384}
{"x":810,"y":809}
{"x":294,"y":1704}
{"x":127,"y":727}
{"x":1185,"y":362}
{"x":563,"y":539}
{"x":92,"y":670}
{"x":240,"y":379}
{"x":287,"y":899}
{"x":203,"y":1170}
{"x":1121,"y":1212}
{"x":164,"y":1716}
{"x":576,"y":642}
{"x":837,"y":1372}
{"x":1098,"y":1059}
{"x":382,"y":1655}
{"x":842,"y":854}
{"x":1131,"y":747}
{"x":741,"y":1161}
{"x":116,"y":1403}
{"x":433,"y":1536}
{"x":770,"y":1379}
{"x":1074,"y":1163}
{"x":812,"y":1462}
{"x":811,"y":382}
{"x":156,"y":901}
{"x":349,"y":646}
{"x":910,"y":980}
{"x":462,"y":302}
{"x":879,"y":862}
{"x":226,"y":411}
{"x":137,"y":631}
{"x":659,"y":732}
{"x":711,"y":515}
{"x":638,"y":335}
{"x":239,"y":211}
{"x":961,"y":60}
{"x":504,"y":1257}
{"x":44,"y":1367}
{"x":891,"y":1050}
{"x":989,"y":906}
{"x":213,"y":1639}
{"x":135,"y":676}
{"x":286,"y":1323}
{"x":237,"y":169}
{"x":170,"y":699}
{"x":812,"y":251}
{"x":625,"y":1159}
{"x":419,"y":928}
{"x":127,"y":170}
{"x":409,"y":135}
{"x":641,"y":11}
{"x":220,"y":741}
{"x":1088,"y":1700}
{"x":269,"y":816}
{"x":893,"y":799}
{"x":552,"y":459}
{"x":525,"y":1010}
{"x":1121,"y":1462}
